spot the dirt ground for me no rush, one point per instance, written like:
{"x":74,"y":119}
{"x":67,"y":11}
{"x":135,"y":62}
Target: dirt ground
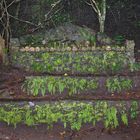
{"x":87,"y":132}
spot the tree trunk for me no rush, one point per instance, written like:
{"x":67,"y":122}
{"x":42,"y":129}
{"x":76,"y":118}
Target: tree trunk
{"x":102,"y":16}
{"x":102,"y":24}
{"x":2,"y":51}
{"x":5,"y":38}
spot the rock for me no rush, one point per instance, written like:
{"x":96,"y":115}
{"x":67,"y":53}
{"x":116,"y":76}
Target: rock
{"x":68,"y":32}
{"x":34,"y":39}
{"x":23,"y":41}
{"x":137,"y":46}
{"x":14,"y":42}
{"x":27,"y":49}
{"x":108,"y":48}
{"x":103,"y":39}
{"x":32,"y":49}
{"x":22,"y":49}
{"x":37,"y":49}
{"x":130,"y":44}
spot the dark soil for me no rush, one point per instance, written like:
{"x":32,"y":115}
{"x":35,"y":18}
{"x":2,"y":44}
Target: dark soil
{"x":87,"y":132}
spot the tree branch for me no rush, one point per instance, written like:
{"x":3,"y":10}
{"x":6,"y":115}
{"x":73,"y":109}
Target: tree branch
{"x":24,"y":21}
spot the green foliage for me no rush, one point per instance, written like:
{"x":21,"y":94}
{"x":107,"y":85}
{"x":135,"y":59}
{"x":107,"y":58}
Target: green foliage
{"x":119,"y":39}
{"x":114,"y":61}
{"x":58,"y":17}
{"x":134,"y":66}
{"x":53,"y":85}
{"x":137,"y":24}
{"x":124,"y":118}
{"x":89,"y":37}
{"x":11,"y":116}
{"x":61,"y":17}
{"x":28,"y":117}
{"x":124,"y":114}
{"x":111,"y":119}
{"x":118,"y":84}
{"x":134,"y":109}
{"x":58,"y":85}
{"x":73,"y":114}
{"x":34,"y":40}
{"x":75,"y":62}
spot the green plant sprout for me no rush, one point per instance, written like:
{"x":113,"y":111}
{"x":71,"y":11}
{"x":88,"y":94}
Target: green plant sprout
{"x":118,"y":84}
{"x":73,"y":114}
{"x":53,"y":85}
